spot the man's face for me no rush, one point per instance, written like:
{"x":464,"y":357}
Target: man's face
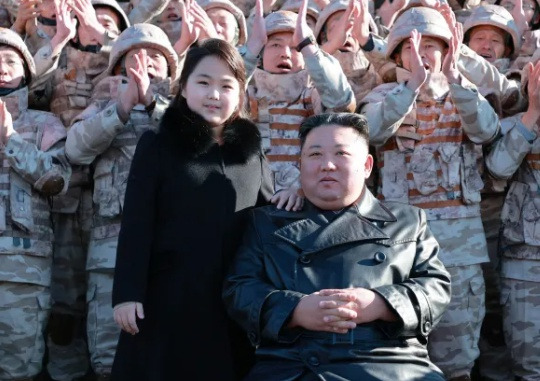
{"x":334,"y":166}
{"x":350,"y":45}
{"x":529,"y":7}
{"x":11,"y":68}
{"x":280,"y":55}
{"x":107,"y":18}
{"x":173,"y":12}
{"x":224,"y":22}
{"x":156,"y":63}
{"x":431,"y":50}
{"x":489,"y":42}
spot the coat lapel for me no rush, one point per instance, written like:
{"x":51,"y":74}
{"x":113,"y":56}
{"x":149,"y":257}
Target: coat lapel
{"x":360,"y":222}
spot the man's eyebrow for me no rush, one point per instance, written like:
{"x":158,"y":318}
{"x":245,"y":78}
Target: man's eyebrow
{"x":319,"y":146}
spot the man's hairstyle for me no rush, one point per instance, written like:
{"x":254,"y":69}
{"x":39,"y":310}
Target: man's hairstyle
{"x":346,"y":119}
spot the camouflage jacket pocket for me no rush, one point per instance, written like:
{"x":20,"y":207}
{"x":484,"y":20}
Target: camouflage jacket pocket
{"x":450,"y":163}
{"x":531,"y":220}
{"x":471,"y":180}
{"x":512,"y":222}
{"x":424,"y":170}
{"x":21,"y":203}
{"x":394,"y":177}
{"x":105,"y":194}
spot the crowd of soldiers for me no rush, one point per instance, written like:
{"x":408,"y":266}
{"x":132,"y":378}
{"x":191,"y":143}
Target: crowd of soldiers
{"x":451,"y":91}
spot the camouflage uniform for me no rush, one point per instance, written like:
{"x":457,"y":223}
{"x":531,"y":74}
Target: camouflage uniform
{"x":34,"y":168}
{"x":280,"y":102}
{"x":98,"y":137}
{"x":357,"y":68}
{"x":145,"y":10}
{"x":516,"y":156}
{"x":493,"y":350}
{"x":429,"y":158}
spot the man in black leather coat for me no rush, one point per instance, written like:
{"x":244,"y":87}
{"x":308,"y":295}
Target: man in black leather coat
{"x":346,"y":289}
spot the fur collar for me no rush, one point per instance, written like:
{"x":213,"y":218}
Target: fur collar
{"x":191,"y":136}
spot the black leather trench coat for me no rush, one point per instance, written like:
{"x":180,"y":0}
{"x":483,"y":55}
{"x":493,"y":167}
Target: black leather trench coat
{"x":386,"y":247}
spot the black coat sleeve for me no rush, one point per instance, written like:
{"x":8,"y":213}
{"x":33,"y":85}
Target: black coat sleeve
{"x":138,"y":222}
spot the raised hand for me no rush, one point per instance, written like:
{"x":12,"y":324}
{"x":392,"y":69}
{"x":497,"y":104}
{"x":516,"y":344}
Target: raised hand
{"x":86,"y":14}
{"x":342,"y":31}
{"x":203,"y":22}
{"x":418,"y":71}
{"x":302,"y":30}
{"x":257,"y":38}
{"x":140,"y":75}
{"x":531,"y":116}
{"x":362,"y":21}
{"x":518,"y":14}
{"x":450,"y":62}
{"x":6,"y":123}
{"x":66,"y":24}
{"x":190,"y":32}
{"x":27,"y":11}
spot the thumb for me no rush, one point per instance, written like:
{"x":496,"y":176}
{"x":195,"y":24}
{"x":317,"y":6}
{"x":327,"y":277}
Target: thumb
{"x":140,"y":311}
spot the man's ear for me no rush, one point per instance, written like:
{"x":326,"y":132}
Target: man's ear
{"x":368,"y":166}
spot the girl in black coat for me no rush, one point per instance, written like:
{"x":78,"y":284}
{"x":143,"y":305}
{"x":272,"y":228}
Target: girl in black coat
{"x":188,"y":191}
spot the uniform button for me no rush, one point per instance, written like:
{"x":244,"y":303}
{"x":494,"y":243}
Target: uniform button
{"x":380,"y":257}
{"x":305,"y":259}
{"x":10,"y":152}
{"x":313,"y":360}
{"x":252,"y":336}
{"x":108,"y":112}
{"x":427,"y":327}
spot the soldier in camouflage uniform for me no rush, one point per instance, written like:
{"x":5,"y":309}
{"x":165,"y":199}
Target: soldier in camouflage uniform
{"x":36,"y":23}
{"x":336,"y":34}
{"x":142,"y":64}
{"x":227,"y":19}
{"x":170,"y":20}
{"x":34,"y":168}
{"x":66,"y":88}
{"x":291,"y":85}
{"x":516,"y":156}
{"x":427,"y":129}
{"x":142,"y":11}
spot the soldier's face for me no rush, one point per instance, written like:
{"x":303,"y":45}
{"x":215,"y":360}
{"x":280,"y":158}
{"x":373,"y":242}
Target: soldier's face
{"x":173,"y":12}
{"x":156,"y":63}
{"x":224,"y":22}
{"x":335,"y":164}
{"x":212,"y":91}
{"x":46,"y":9}
{"x":351,"y":45}
{"x":109,"y":19}
{"x":529,"y":7}
{"x":280,"y":55}
{"x":11,"y":68}
{"x":431,"y":50}
{"x":489,"y":42}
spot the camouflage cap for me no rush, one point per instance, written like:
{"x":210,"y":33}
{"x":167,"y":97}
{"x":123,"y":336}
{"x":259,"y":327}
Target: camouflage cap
{"x":280,"y":21}
{"x":497,"y":16}
{"x":334,"y":7}
{"x":113,"y":4}
{"x":234,"y":10}
{"x":313,"y":9}
{"x":425,"y":20}
{"x":143,"y":36}
{"x":12,"y":39}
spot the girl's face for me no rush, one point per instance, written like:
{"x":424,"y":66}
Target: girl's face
{"x":212,"y":91}
{"x":431,"y":50}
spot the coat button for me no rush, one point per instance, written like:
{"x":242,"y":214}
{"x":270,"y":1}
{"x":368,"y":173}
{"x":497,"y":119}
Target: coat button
{"x":427,"y":327}
{"x":305,"y":259}
{"x":313,"y":360}
{"x":380,"y":257}
{"x":252,"y":337}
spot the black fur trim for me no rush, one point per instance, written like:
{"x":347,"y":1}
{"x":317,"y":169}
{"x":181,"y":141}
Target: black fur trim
{"x":190,"y":134}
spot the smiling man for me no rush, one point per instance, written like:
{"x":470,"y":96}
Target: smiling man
{"x":349,"y":287}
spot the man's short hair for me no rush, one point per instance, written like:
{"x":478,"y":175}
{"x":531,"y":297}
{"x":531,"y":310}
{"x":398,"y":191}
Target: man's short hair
{"x":346,"y":119}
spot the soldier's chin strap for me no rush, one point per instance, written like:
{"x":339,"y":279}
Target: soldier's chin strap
{"x":6,"y":91}
{"x":46,"y":21}
{"x":88,"y":48}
